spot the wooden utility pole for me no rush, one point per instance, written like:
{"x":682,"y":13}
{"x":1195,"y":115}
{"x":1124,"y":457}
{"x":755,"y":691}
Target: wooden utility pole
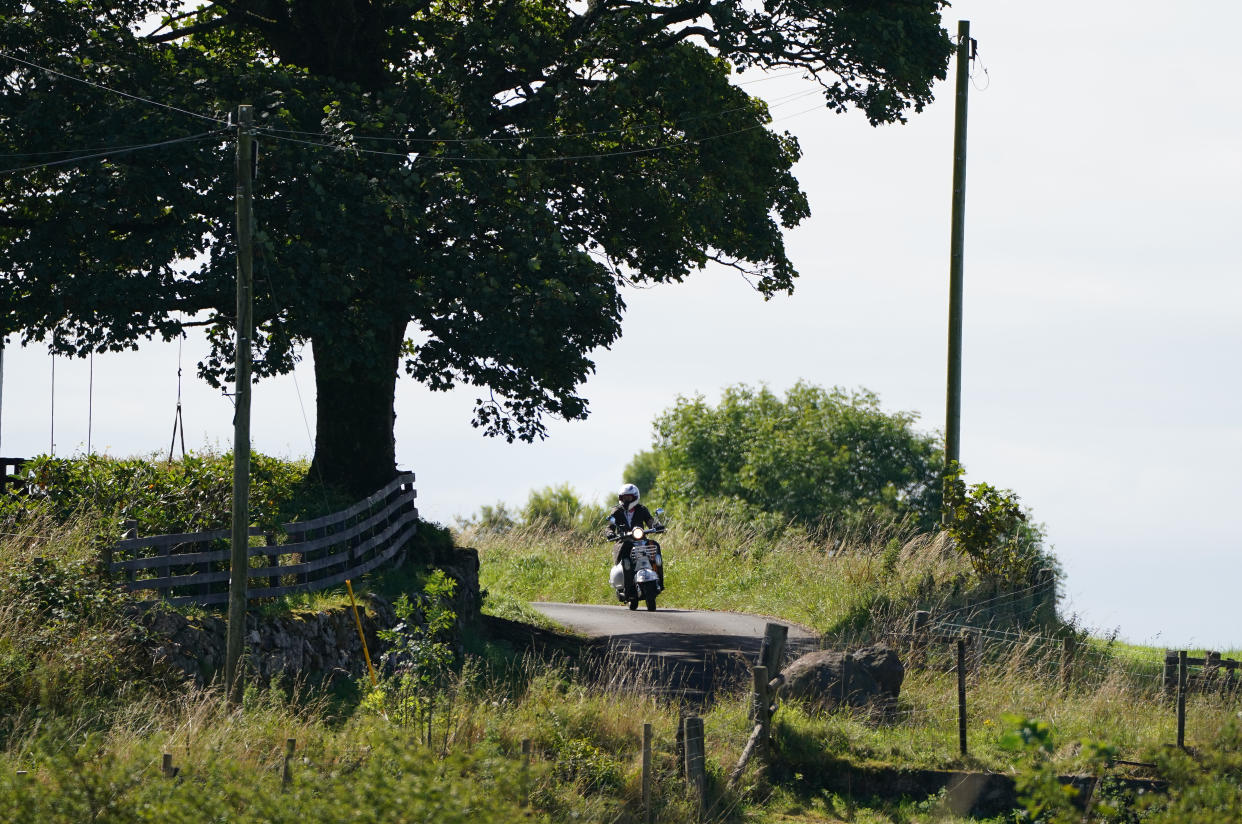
{"x":239,"y":560}
{"x":957,"y":232}
{"x":961,"y":695}
{"x":1,"y":394}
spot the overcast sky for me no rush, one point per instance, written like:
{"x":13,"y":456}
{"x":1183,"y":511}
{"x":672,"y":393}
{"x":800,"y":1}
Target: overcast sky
{"x":1102,"y":314}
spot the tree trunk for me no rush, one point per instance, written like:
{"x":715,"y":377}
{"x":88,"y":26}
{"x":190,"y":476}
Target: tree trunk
{"x":355,"y":447}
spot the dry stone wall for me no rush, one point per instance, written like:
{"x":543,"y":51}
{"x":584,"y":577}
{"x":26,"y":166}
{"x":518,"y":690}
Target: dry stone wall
{"x":306,"y":646}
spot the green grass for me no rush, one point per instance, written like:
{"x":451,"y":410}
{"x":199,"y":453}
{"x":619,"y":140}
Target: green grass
{"x":860,"y":592}
{"x":723,"y":565}
{"x":89,"y":724}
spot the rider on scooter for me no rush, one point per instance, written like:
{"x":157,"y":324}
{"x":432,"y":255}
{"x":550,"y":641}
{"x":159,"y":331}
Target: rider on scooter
{"x":629,"y":514}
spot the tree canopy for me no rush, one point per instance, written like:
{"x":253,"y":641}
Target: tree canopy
{"x":814,"y":456}
{"x":459,"y":188}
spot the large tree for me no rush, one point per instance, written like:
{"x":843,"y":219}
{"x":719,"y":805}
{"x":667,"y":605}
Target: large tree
{"x":459,"y":188}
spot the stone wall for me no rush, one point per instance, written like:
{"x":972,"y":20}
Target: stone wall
{"x":304,"y":646}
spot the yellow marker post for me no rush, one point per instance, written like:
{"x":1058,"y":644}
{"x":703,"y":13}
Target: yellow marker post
{"x":361,"y":637}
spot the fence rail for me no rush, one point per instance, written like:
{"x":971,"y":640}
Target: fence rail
{"x":303,"y":556}
{"x":10,"y":473}
{"x":1211,"y":673}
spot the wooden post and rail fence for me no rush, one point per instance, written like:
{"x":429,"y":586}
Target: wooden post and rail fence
{"x":11,"y":474}
{"x":302,"y":556}
{"x":1211,"y":673}
{"x":1182,"y":673}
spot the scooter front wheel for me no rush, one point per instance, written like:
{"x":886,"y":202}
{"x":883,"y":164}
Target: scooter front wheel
{"x":650,"y":591}
{"x":633,"y":604}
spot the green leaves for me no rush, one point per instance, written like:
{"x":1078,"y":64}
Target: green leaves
{"x":420,"y":653}
{"x":489,"y":172}
{"x":816,"y":455}
{"x":1045,"y":797}
{"x":188,"y":495}
{"x":989,"y":526}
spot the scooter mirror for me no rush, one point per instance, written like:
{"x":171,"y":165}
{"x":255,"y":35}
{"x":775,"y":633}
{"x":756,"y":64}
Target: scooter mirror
{"x":612,"y":520}
{"x":637,"y":534}
{"x":660,"y":510}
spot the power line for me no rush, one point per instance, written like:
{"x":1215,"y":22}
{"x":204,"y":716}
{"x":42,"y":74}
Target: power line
{"x":43,"y":152}
{"x":111,"y":152}
{"x":110,"y":90}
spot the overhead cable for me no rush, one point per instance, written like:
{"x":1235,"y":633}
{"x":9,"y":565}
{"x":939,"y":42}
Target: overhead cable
{"x":110,"y":153}
{"x":148,"y":101}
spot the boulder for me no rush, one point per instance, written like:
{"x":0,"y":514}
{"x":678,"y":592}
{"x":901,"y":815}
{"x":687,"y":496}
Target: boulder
{"x":874,"y":679}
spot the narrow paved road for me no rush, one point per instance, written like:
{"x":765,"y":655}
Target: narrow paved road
{"x":679,"y":651}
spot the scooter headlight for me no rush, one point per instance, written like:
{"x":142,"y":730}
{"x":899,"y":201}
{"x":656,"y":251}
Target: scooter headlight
{"x":637,"y":534}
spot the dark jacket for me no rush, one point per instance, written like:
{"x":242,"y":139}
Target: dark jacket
{"x":621,"y":534}
{"x":641,"y":517}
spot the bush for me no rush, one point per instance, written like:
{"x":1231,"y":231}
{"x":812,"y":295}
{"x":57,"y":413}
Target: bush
{"x":189,"y":495}
{"x":814,"y":455}
{"x":990,"y":527}
{"x":420,"y":654}
{"x":67,"y":637}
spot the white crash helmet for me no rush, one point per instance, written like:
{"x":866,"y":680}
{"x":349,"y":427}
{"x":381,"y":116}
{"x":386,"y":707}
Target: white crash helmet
{"x":630,"y":491}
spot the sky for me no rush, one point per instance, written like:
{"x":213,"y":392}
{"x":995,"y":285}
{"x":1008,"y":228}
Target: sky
{"x":1102,"y":315}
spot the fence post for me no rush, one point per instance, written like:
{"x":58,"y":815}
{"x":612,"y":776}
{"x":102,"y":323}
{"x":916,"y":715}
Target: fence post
{"x":1211,"y":669}
{"x":847,"y":666}
{"x":167,"y":766}
{"x":772,"y":650}
{"x":1181,"y":699}
{"x":1046,"y":596}
{"x":129,"y":530}
{"x":922,"y":619}
{"x":273,"y":561}
{"x":961,"y":695}
{"x":680,"y":742}
{"x":918,"y":636}
{"x":525,"y":772}
{"x":696,"y":775}
{"x":1170,"y":673}
{"x":647,"y":810}
{"x":1067,"y":660}
{"x":286,"y":774}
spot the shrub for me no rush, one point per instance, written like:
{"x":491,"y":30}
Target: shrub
{"x":188,"y":495}
{"x":67,"y":637}
{"x":989,"y":527}
{"x":420,"y":654}
{"x":1039,"y":787}
{"x":814,"y":454}
{"x":560,"y":509}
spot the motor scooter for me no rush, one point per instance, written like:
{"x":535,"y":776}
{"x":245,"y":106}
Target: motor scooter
{"x":645,"y":560}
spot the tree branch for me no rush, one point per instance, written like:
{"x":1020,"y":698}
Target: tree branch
{"x":176,"y":34}
{"x":175,"y":18}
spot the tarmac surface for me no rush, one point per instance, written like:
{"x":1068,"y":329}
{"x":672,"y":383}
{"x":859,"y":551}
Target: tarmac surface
{"x":694,"y":653}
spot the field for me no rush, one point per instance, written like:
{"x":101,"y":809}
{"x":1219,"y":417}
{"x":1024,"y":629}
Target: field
{"x":86,"y":727}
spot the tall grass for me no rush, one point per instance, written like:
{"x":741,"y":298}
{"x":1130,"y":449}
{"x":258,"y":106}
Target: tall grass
{"x":1103,"y":697}
{"x":831,"y":584}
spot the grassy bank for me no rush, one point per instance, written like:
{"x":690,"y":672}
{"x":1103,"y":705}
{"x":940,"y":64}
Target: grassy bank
{"x":713,"y":562}
{"x":860,"y":587}
{"x":86,"y":721}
